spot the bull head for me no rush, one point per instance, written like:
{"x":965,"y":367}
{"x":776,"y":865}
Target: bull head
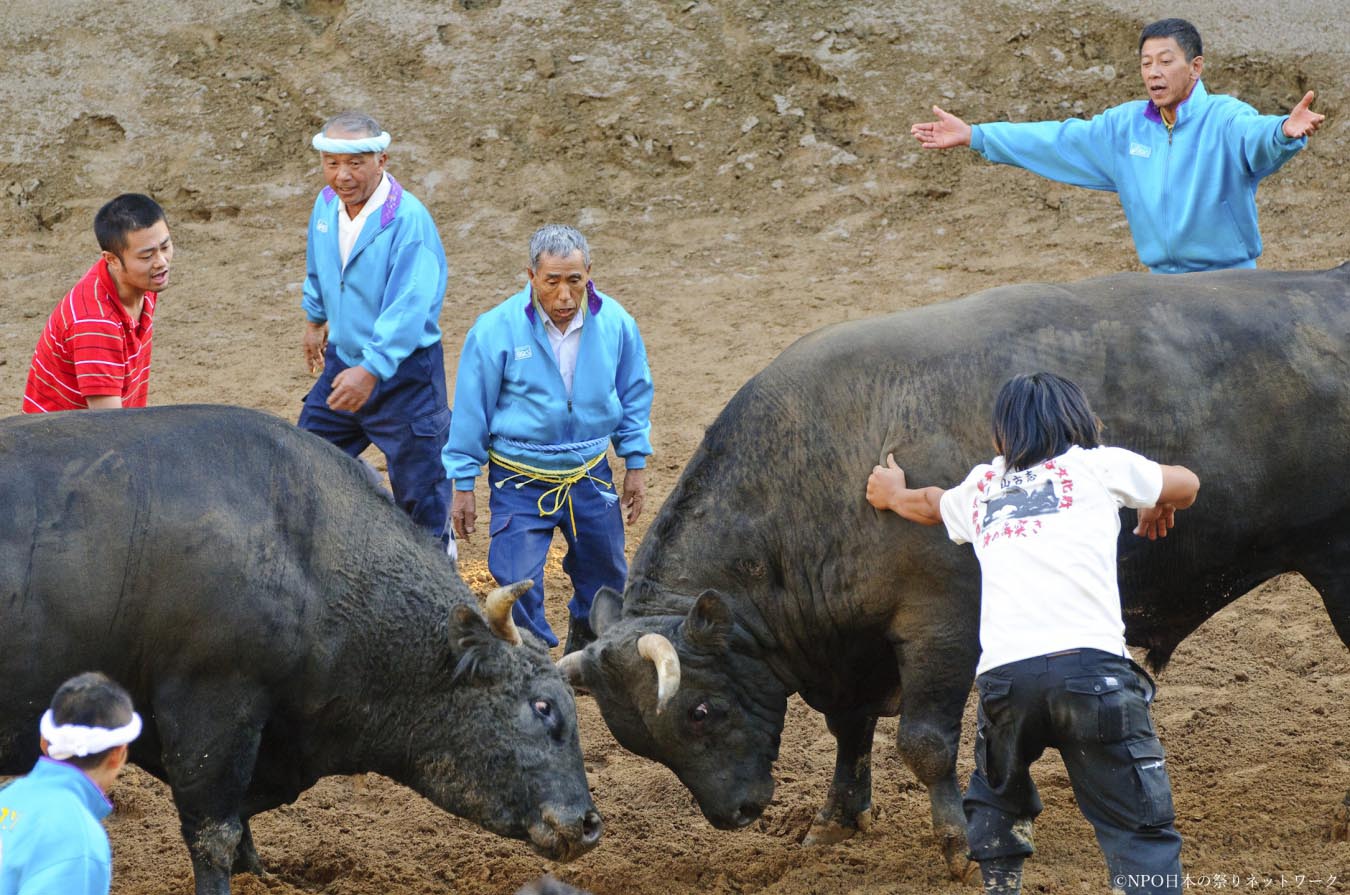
{"x":692,"y":692}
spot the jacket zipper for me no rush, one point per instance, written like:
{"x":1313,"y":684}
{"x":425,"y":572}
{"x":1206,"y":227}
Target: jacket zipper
{"x":1167,"y":165}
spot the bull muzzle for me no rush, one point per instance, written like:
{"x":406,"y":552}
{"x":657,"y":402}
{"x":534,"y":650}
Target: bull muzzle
{"x":565,"y":835}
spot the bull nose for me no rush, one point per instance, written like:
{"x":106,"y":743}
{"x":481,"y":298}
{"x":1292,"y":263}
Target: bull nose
{"x":564,"y":835}
{"x":748,"y":813}
{"x":591,"y":828}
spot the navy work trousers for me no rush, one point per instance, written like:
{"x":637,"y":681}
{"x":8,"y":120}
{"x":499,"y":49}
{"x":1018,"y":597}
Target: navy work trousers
{"x":521,"y":538}
{"x":1093,"y":707}
{"x":408,"y":418}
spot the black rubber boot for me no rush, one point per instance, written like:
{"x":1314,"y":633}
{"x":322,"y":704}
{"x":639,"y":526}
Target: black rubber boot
{"x":579,"y":634}
{"x":1002,"y":876}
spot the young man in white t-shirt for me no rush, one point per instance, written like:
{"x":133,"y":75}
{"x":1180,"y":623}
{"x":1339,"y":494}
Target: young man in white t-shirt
{"x":1043,"y":517}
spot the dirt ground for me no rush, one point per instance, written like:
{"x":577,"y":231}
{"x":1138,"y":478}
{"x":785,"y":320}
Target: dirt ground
{"x":744,"y":171}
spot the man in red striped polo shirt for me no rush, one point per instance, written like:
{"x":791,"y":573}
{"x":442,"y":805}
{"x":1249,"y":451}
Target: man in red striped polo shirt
{"x":95,"y":350}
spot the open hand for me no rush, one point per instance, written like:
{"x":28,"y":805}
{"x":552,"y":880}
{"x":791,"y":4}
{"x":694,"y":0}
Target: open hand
{"x":1302,"y":121}
{"x":946,"y":132}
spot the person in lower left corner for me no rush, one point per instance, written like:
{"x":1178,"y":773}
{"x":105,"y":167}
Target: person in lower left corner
{"x":1044,"y":517}
{"x":548,"y":380}
{"x":51,"y":838}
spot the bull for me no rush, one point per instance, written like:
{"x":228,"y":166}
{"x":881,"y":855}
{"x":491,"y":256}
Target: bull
{"x":276,"y":619}
{"x":766,"y":573}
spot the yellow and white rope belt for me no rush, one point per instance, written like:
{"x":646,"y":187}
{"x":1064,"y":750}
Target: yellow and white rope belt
{"x":562,"y":481}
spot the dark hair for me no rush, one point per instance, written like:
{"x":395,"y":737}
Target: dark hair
{"x":1038,"y":416}
{"x":1180,"y":30}
{"x":125,"y":214}
{"x":91,"y":699}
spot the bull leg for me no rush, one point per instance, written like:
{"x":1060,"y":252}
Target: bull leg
{"x":1330,"y":575}
{"x":246,"y":856}
{"x":210,"y":738}
{"x":848,"y":807}
{"x":933,"y":696}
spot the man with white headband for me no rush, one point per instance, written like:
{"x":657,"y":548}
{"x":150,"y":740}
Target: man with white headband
{"x":50,"y":836}
{"x":375,"y":279}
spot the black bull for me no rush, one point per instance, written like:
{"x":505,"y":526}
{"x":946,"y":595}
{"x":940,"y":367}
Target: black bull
{"x":276,"y":619}
{"x":770,"y":574}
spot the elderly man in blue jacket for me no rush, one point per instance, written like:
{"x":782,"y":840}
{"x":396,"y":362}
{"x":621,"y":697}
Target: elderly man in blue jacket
{"x":548,"y":380}
{"x":1184,"y":162}
{"x":375,"y":280}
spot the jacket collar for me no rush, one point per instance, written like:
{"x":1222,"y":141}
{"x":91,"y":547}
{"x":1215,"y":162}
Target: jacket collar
{"x":72,"y":777}
{"x":387,"y":211}
{"x":1186,"y":109}
{"x":593,"y":302}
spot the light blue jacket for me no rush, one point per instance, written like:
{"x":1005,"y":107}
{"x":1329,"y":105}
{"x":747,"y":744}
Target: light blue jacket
{"x":1189,"y":197}
{"x":385,"y":305}
{"x":51,"y":841}
{"x":508,"y":388}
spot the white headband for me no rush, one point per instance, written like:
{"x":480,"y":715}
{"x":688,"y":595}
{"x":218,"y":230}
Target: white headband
{"x":351,"y":146}
{"x":67,"y":740}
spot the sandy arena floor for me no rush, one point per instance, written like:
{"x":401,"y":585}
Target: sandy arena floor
{"x":744,"y":171}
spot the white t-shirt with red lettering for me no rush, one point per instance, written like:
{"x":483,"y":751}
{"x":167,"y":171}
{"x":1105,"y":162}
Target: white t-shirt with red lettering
{"x":1046,"y":541}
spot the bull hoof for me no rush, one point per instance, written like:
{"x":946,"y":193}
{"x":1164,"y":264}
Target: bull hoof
{"x":830,"y":832}
{"x":1340,"y":823}
{"x":959,"y":866}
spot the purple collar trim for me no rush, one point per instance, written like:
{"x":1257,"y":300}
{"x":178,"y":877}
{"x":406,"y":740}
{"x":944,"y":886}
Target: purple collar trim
{"x":387,"y":210}
{"x":593,"y":302}
{"x":390,"y":207}
{"x":1152,"y":114}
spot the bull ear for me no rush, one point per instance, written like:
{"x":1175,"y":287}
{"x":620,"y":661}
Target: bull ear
{"x":606,"y":609}
{"x":471,"y":642}
{"x":709,"y":622}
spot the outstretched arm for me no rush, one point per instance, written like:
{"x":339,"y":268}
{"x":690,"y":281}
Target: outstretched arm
{"x":886,"y":490}
{"x":945,"y":133}
{"x":1302,"y":121}
{"x":1180,"y":486}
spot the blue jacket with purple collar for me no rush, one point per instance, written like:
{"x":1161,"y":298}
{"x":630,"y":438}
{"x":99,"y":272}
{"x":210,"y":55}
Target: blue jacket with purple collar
{"x":386,"y":303}
{"x":1189,"y":194}
{"x":510,"y":397}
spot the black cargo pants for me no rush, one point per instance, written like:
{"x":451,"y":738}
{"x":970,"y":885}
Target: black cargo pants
{"x":1093,"y":707}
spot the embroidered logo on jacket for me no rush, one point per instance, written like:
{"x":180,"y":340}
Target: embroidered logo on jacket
{"x":1140,"y":150}
{"x":523,"y":352}
{"x":321,"y":226}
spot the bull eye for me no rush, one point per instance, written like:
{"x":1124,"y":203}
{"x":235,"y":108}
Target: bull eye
{"x":699,"y":713}
{"x":543,"y":708}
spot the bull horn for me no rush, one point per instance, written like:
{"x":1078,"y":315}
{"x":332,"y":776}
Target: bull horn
{"x":661,"y":653}
{"x":497,"y":607}
{"x":569,"y":666}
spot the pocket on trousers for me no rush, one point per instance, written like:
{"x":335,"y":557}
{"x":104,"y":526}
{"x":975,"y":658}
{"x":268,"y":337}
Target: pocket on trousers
{"x":1098,"y":708}
{"x":1150,"y":766}
{"x":498,"y":524}
{"x":994,"y":708}
{"x":994,"y":693}
{"x":436,"y":423}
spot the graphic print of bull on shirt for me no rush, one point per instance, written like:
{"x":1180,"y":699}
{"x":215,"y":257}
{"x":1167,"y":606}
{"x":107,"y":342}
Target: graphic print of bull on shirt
{"x":1010,"y":501}
{"x":1020,"y":496}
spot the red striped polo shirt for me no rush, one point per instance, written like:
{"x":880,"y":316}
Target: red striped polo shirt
{"x":91,"y":347}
